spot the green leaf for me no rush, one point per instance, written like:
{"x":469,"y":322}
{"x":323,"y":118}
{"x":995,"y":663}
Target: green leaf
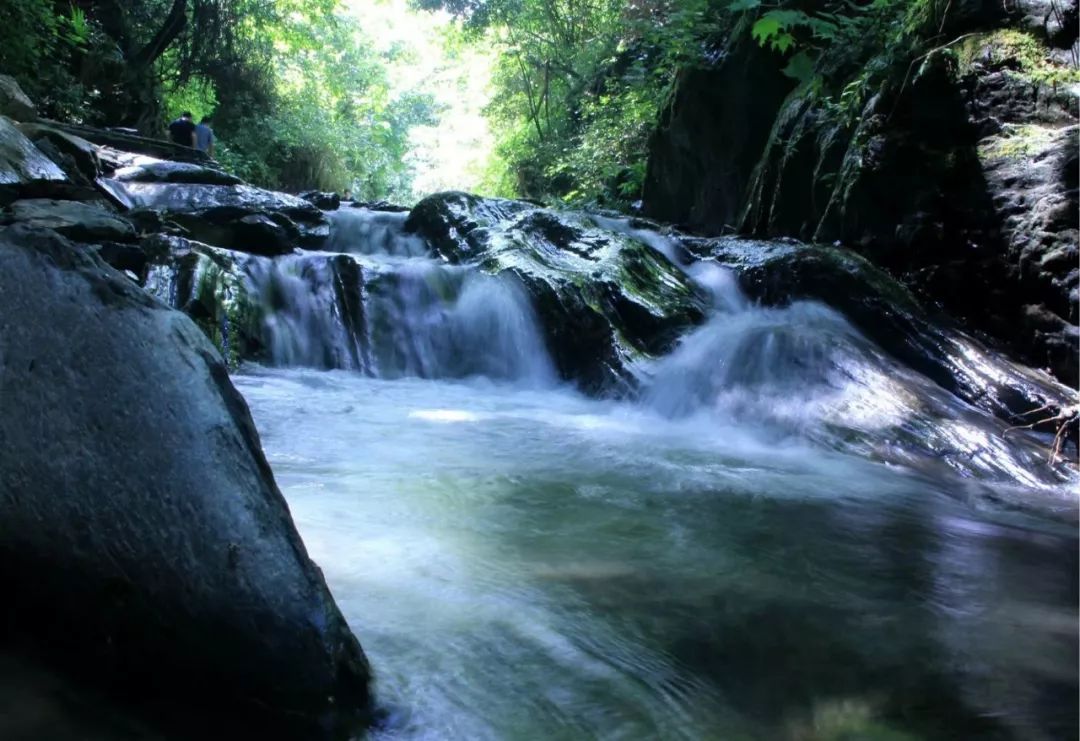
{"x":764,"y":29}
{"x":800,"y":67}
{"x":782,"y":42}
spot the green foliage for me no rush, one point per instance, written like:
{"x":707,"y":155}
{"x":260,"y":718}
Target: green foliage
{"x":197,"y":95}
{"x":300,"y":98}
{"x":75,"y":27}
{"x":579,"y":86}
{"x":38,"y":38}
{"x":1023,"y":51}
{"x":29,"y":35}
{"x":330,"y":122}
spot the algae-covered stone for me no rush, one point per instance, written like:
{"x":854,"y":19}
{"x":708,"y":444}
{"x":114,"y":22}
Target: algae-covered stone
{"x":208,"y":284}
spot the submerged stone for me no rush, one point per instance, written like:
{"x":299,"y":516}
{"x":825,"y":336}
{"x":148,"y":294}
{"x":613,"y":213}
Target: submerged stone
{"x":779,"y":272}
{"x":145,"y":545}
{"x":321,"y":200}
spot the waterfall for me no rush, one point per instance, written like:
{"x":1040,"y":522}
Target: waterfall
{"x":366,"y":232}
{"x":380,"y":301}
{"x":432,"y":320}
{"x":374,"y":303}
{"x":310,"y":304}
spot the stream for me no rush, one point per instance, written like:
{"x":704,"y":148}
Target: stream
{"x":534,"y":564}
{"x":736,"y":553}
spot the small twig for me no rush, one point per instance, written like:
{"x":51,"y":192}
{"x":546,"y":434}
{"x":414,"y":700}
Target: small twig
{"x":1043,"y":408}
{"x":907,"y":75}
{"x":1068,"y":426}
{"x":1036,"y":423}
{"x":944,"y":17}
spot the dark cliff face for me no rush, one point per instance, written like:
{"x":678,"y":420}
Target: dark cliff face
{"x":711,"y":138}
{"x":961,"y":182}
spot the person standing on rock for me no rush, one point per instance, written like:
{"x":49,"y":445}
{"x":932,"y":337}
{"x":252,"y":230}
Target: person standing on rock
{"x":204,"y":137}
{"x":182,"y":130}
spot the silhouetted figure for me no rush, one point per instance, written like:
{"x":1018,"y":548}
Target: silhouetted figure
{"x":204,"y":137}
{"x":182,"y":130}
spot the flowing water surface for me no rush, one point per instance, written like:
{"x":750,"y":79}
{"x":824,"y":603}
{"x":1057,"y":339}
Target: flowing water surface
{"x":784,"y":535}
{"x":531,"y":564}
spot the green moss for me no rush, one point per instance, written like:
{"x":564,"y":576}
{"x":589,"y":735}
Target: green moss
{"x":846,"y":720}
{"x":1029,"y":56}
{"x":223,"y":308}
{"x":1018,"y":141}
{"x":652,"y":281}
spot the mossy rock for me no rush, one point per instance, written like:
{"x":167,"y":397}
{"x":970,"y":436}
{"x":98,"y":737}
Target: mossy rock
{"x":603,"y":298}
{"x":208,"y":284}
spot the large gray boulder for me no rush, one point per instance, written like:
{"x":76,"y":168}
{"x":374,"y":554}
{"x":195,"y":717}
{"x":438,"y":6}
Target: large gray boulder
{"x":22,"y":165}
{"x":236,"y":217}
{"x":83,"y":222}
{"x":14,"y":103}
{"x":142,"y":537}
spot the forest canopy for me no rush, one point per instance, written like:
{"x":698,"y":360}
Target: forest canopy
{"x":302,"y":96}
{"x":581,"y":85}
{"x":299,"y":95}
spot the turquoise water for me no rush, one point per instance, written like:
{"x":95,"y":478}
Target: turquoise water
{"x":525,"y":563}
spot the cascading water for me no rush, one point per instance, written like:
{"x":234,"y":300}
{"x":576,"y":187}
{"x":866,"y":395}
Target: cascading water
{"x":803,"y":370}
{"x":381,"y":305}
{"x":787,"y":535}
{"x":432,"y":320}
{"x":366,"y":232}
{"x":420,"y":317}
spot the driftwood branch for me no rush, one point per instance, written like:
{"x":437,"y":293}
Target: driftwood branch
{"x":1067,"y":427}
